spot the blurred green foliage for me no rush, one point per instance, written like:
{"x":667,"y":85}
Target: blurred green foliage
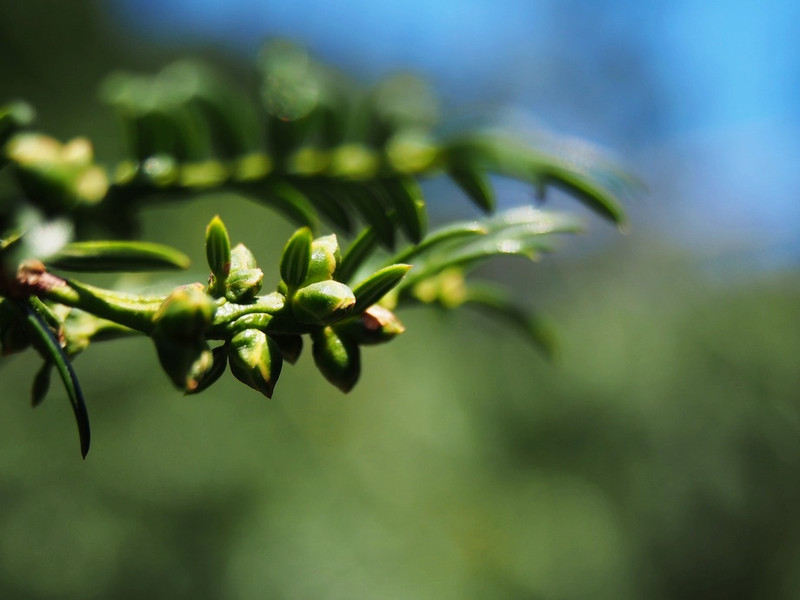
{"x":657,"y":459}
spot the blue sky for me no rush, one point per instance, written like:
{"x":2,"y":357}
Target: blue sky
{"x":699,"y":97}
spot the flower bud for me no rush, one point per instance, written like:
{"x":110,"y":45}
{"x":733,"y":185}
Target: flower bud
{"x":295,"y":258}
{"x":56,"y":176}
{"x":255,"y":360}
{"x":242,"y":258}
{"x":322,"y":303}
{"x":186,"y":313}
{"x":187,"y":362}
{"x":213,"y":373}
{"x":244,"y":281}
{"x":325,"y":257}
{"x":243,"y":285}
{"x":160,"y":170}
{"x":337,"y":358}
{"x":218,"y":254}
{"x":353,"y":161}
{"x":376,"y":325}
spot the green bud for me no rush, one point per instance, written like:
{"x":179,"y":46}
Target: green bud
{"x":411,"y":151}
{"x":242,"y":258}
{"x":447,"y":288}
{"x":325,"y":257}
{"x":218,"y":254}
{"x":243,"y":285}
{"x":209,"y":377}
{"x":244,"y":281}
{"x":48,"y":185}
{"x":203,"y":174}
{"x":308,"y":161}
{"x":266,"y":305}
{"x":77,"y":152}
{"x":56,"y":176}
{"x":160,"y":170}
{"x":331,"y":245}
{"x":376,"y":325}
{"x":377,"y":285}
{"x":261,"y":321}
{"x":296,"y":257}
{"x":354,"y":161}
{"x":252,"y":166}
{"x":186,"y":313}
{"x":290,"y":345}
{"x":337,"y":358}
{"x":323,"y":303}
{"x":187,"y":362}
{"x":91,"y":185}
{"x":255,"y":360}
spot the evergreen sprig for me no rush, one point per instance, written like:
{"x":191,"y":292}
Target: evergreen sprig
{"x":325,"y":154}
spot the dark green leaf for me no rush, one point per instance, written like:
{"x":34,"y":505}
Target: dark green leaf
{"x":377,"y":285}
{"x":512,"y":158}
{"x":51,"y":351}
{"x":372,"y":203}
{"x":293,"y":203}
{"x":361,"y":248}
{"x":330,"y":205}
{"x":409,"y":205}
{"x":45,"y":313}
{"x":474,"y":184}
{"x":585,"y":189}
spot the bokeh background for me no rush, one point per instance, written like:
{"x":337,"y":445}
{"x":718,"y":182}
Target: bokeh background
{"x":657,"y":457}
